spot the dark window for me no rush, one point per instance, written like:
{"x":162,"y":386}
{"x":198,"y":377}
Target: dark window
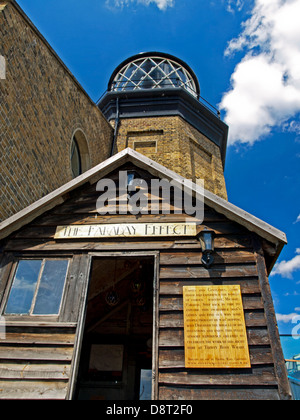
{"x":37,"y":287}
{"x":75,"y":158}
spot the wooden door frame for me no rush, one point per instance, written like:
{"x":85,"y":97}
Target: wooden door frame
{"x":83,"y":310}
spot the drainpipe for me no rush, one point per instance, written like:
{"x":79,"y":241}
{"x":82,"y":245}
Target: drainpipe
{"x":117,"y":121}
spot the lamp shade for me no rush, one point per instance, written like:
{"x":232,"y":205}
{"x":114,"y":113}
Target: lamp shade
{"x":207,"y":240}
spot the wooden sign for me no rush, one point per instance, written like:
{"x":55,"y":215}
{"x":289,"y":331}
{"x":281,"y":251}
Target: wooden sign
{"x":126,"y":230}
{"x":214,"y":327}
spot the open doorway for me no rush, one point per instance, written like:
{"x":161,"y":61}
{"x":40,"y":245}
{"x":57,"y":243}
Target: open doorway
{"x":116,"y":354}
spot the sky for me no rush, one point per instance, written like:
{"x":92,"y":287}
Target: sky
{"x":246,"y":55}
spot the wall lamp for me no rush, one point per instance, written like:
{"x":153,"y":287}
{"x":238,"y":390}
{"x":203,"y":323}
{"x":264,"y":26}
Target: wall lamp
{"x":207,"y":239}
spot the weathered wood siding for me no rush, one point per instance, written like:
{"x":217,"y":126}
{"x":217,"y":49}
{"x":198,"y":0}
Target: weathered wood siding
{"x":234,"y":267}
{"x":36,"y":361}
{"x":49,"y":349}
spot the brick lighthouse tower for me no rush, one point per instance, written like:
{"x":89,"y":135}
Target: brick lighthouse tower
{"x":153,"y":102}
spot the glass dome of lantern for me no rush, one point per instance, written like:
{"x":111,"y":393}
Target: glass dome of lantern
{"x":154,"y":71}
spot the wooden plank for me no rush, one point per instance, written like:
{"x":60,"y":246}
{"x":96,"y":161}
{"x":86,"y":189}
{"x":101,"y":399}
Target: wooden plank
{"x":255,"y":377}
{"x":52,"y":220}
{"x":121,"y":206}
{"x":255,"y":318}
{"x":155,"y":329}
{"x":220,"y":271}
{"x":171,"y":338}
{"x":40,"y":327}
{"x":174,"y":287}
{"x":109,"y":245}
{"x":45,"y":354}
{"x":80,"y":315}
{"x":32,"y":390}
{"x":38,"y":324}
{"x":30,"y":338}
{"x":33,"y":245}
{"x":258,"y":337}
{"x":44,"y":231}
{"x":31,"y":370}
{"x":6,"y":263}
{"x":180,"y":393}
{"x":232,"y":241}
{"x":283,"y":382}
{"x":171,"y":319}
{"x":194,"y":258}
{"x":173,"y":358}
{"x":86,"y":205}
{"x":77,"y":277}
{"x":49,"y":232}
{"x":175,"y":303}
{"x":175,"y":337}
{"x":175,"y":319}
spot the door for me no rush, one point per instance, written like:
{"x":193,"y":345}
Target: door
{"x":116,"y":347}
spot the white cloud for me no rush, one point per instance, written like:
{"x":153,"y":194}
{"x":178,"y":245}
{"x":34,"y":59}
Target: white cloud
{"x":287,"y":268}
{"x":265,"y":85}
{"x":286,"y":318}
{"x":292,"y":127}
{"x":233,"y":5}
{"x":294,"y":293}
{"x":161,"y":4}
{"x":297,"y":220}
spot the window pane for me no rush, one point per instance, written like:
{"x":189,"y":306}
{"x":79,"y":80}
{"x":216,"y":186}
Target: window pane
{"x":146,"y":384}
{"x":23,"y":287}
{"x":75,"y":159}
{"x":51,"y":288}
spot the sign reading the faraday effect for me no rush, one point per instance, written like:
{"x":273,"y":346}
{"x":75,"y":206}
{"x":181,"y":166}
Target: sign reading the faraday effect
{"x":214,"y":327}
{"x":126,"y":230}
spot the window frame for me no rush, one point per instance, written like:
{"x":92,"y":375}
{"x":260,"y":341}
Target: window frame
{"x":80,"y":140}
{"x":9,"y":283}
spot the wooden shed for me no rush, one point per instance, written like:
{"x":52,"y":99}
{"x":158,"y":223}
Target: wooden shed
{"x":92,"y":305}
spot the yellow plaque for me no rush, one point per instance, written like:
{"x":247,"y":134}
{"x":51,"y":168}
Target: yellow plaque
{"x":214,"y":327}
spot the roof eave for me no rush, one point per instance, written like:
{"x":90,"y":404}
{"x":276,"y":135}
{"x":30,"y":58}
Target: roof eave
{"x":222,"y":206}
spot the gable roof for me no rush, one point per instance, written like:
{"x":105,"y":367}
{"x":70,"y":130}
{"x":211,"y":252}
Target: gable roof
{"x":93,"y":175}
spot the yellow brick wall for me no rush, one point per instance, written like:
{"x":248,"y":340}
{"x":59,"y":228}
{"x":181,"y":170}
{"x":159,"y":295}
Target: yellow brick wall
{"x":178,"y":146}
{"x":41,"y":106}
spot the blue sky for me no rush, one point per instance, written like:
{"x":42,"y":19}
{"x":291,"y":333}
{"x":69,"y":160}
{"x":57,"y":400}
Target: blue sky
{"x":246,"y":54}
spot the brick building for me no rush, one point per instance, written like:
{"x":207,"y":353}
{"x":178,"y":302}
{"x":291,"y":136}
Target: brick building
{"x":129,"y":301}
{"x":42,"y":107}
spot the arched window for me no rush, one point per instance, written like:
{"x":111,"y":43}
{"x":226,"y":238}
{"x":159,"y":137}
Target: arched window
{"x":80,"y":158}
{"x":154,"y":71}
{"x":75,"y":159}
